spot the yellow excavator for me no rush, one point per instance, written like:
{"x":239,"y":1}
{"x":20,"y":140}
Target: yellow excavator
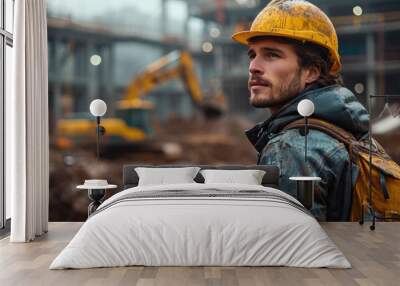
{"x":131,"y":123}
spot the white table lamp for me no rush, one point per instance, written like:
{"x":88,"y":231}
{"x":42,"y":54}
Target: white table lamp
{"x":306,"y":109}
{"x":98,"y":108}
{"x":306,"y":184}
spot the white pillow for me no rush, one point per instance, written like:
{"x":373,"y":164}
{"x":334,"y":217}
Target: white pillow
{"x":248,"y":177}
{"x":162,"y":176}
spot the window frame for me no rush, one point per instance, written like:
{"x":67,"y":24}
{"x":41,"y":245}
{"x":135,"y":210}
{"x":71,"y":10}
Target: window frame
{"x":6,"y":39}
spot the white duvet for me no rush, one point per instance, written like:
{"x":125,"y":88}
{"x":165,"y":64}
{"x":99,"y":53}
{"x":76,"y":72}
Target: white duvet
{"x":191,"y":231}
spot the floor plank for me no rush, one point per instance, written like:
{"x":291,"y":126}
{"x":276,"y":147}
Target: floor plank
{"x":374,"y":255}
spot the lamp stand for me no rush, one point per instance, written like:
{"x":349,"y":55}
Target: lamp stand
{"x":305,"y":137}
{"x":98,"y":136}
{"x":100,"y":130}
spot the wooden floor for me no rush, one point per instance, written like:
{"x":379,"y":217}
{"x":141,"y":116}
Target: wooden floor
{"x":375,"y":256}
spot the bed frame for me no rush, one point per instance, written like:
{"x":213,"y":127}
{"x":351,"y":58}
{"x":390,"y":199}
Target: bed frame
{"x":270,"y":179}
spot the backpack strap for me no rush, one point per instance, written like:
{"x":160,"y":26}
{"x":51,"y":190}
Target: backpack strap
{"x":334,"y":131}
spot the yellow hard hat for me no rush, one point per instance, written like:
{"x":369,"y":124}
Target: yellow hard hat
{"x":295,"y":19}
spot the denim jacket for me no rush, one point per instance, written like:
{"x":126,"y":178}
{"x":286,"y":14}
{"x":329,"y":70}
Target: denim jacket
{"x":326,"y":157}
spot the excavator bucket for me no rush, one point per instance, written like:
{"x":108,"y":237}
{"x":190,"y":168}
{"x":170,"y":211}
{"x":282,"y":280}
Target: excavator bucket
{"x":211,"y":111}
{"x":214,"y":106}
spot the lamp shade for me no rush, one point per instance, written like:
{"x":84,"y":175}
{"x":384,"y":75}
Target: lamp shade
{"x":305,"y":107}
{"x":98,"y":107}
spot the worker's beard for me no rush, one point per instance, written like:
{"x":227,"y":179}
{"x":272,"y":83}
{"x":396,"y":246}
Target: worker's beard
{"x":285,"y":92}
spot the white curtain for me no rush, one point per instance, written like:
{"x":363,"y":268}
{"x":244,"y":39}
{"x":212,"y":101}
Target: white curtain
{"x":27,"y":139}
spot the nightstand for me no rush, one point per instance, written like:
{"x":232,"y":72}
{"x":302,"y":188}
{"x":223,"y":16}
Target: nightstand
{"x":305,"y":190}
{"x":96,"y":192}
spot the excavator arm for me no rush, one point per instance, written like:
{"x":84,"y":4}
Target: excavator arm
{"x":175,"y":65}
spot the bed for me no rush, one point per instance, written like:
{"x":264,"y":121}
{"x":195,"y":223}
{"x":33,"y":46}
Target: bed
{"x":201,"y":224}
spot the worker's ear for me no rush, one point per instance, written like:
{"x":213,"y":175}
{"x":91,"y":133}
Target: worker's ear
{"x":310,"y":74}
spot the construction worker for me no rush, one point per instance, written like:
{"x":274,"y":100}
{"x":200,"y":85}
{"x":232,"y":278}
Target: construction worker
{"x":293,"y":55}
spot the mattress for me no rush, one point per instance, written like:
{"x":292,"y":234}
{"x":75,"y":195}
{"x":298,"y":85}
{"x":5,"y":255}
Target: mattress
{"x":201,"y":225}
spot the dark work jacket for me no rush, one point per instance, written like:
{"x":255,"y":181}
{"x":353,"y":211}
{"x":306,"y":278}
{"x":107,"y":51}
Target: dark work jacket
{"x":327,"y":157}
